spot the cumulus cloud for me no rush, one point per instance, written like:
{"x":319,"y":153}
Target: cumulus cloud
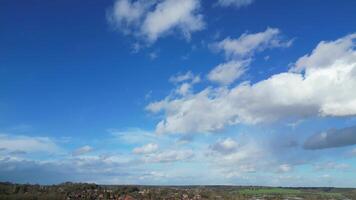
{"x":82,"y":150}
{"x":332,"y":138}
{"x":239,"y":53}
{"x":126,"y":14}
{"x":153,"y":19}
{"x":319,"y":89}
{"x":171,"y":14}
{"x":235,"y":3}
{"x":228,"y":72}
{"x":238,"y":159}
{"x":184,"y":82}
{"x":27,"y":144}
{"x":225,"y":146}
{"x":146,"y":149}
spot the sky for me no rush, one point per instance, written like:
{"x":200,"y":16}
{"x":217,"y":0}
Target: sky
{"x":189,"y":92}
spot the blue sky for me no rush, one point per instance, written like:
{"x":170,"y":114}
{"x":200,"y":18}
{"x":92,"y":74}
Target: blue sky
{"x":178,"y":92}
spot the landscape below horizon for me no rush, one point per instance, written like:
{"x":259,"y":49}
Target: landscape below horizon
{"x":178,"y":99}
{"x":88,"y":191}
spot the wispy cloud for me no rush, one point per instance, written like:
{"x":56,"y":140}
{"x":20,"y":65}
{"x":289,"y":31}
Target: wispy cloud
{"x":146,"y":149}
{"x":28,"y":144}
{"x":235,"y":3}
{"x":82,"y":150}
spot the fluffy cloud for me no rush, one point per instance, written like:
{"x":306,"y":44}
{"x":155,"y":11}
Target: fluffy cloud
{"x":239,"y":53}
{"x":184,"y":83}
{"x":27,"y":144}
{"x":319,"y":89}
{"x":82,"y":150}
{"x":146,"y":149}
{"x":126,"y":14}
{"x":225,"y":146}
{"x":248,"y":156}
{"x":228,"y":72}
{"x":171,"y":14}
{"x":153,"y":19}
{"x":248,"y":44}
{"x":332,"y":138}
{"x":236,"y":3}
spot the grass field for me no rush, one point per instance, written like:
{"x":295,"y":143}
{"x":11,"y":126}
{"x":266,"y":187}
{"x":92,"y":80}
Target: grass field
{"x":286,"y":192}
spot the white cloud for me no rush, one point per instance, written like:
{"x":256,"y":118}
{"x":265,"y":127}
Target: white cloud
{"x":171,"y":14}
{"x":184,"y":89}
{"x":233,"y":159}
{"x":245,"y":155}
{"x":126,"y":14}
{"x":225,"y":146}
{"x":236,"y":3}
{"x":284,"y":168}
{"x":146,"y":149}
{"x":153,"y":19}
{"x":331,"y":166}
{"x":169,"y":156}
{"x":239,"y":53}
{"x":248,"y":44}
{"x":320,"y":89}
{"x":228,"y":72}
{"x":184,"y":82}
{"x":187,"y":77}
{"x":154,"y":175}
{"x":132,"y":135}
{"x":27,"y":144}
{"x":82,"y":150}
{"x":327,"y":54}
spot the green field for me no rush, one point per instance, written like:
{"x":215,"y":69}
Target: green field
{"x":287,"y":192}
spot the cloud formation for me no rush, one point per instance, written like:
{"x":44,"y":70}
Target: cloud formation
{"x":239,"y":53}
{"x":168,"y":156}
{"x":312,"y":87}
{"x":82,"y":150}
{"x":235,"y":3}
{"x":331,"y":138}
{"x":27,"y":144}
{"x":187,"y":77}
{"x":228,"y":72}
{"x":151,"y":20}
{"x":250,"y":43}
{"x":146,"y":149}
{"x":225,"y":146}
